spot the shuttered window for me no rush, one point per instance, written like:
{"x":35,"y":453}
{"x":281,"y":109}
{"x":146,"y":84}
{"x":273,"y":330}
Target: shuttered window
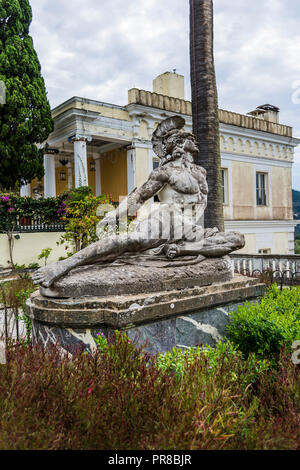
{"x":261,"y":191}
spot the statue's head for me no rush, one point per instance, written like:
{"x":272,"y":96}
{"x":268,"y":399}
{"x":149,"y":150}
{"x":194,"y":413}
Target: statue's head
{"x":181,"y":143}
{"x":171,"y":142}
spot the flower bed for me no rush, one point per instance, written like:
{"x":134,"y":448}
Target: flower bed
{"x":122,"y":398}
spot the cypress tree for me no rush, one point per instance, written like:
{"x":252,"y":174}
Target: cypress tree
{"x":25,"y":119}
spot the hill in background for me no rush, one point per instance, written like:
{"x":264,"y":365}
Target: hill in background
{"x":296,"y":205}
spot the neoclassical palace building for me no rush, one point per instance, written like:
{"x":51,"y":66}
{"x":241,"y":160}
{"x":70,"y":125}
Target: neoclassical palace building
{"x":108,"y":147}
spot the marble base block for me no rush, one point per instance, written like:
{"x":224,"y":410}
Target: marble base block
{"x":166,"y":319}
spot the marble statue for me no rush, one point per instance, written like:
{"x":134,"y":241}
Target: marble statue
{"x":173,"y":231}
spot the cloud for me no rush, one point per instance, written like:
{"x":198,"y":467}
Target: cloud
{"x":99,"y":50}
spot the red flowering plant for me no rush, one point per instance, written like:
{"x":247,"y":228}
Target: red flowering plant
{"x":7,"y":211}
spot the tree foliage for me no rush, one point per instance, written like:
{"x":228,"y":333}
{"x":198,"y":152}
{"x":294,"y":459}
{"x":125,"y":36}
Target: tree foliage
{"x":25,"y":119}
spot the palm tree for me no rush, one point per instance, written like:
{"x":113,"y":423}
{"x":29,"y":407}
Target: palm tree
{"x":205,"y":105}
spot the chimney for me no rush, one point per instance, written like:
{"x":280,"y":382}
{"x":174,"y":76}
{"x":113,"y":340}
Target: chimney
{"x":268,"y":112}
{"x":169,"y":84}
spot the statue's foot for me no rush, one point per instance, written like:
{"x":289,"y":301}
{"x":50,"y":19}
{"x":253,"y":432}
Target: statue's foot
{"x":48,"y":275}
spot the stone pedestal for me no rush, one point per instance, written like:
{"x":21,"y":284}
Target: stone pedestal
{"x":175,"y":317}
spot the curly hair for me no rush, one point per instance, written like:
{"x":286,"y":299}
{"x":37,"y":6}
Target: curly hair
{"x":173,"y":145}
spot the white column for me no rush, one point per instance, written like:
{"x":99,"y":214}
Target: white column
{"x":25,"y":190}
{"x":70,"y":175}
{"x":131,"y":179}
{"x":98,"y":176}
{"x":80,"y":162}
{"x":49,"y":178}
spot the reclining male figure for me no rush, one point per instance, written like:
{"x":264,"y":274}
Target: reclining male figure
{"x":182,"y":190}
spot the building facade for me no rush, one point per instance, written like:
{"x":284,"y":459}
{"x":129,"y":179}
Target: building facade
{"x":109,"y":148}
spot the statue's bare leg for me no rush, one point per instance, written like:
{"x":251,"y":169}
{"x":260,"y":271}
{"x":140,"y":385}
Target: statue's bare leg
{"x":148,"y":234}
{"x":107,"y":249}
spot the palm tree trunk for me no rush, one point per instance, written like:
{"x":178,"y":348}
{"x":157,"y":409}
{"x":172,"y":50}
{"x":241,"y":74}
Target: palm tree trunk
{"x":205,"y":106}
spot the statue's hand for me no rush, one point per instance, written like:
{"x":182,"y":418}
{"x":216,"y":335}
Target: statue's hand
{"x":171,"y":251}
{"x":107,"y":225}
{"x":109,"y":220}
{"x":210,"y":232}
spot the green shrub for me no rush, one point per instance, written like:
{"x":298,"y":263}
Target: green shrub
{"x":45,"y":253}
{"x":178,"y":360}
{"x":265,"y":327}
{"x":19,"y":267}
{"x":22,"y":296}
{"x":101,"y":342}
{"x":13,"y":295}
{"x":33,"y":266}
{"x":9,"y":292}
{"x":79,"y":212}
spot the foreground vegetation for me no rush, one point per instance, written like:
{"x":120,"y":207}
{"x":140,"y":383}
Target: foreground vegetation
{"x":122,"y":398}
{"x":264,"y":327}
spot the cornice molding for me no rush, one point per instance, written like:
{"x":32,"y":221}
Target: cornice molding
{"x":261,"y":224}
{"x":256,"y":160}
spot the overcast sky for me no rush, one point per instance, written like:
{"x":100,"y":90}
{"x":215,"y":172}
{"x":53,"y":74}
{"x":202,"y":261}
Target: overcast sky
{"x":99,"y":49}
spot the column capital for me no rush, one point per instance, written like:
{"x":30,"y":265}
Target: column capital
{"x":129,"y":147}
{"x":51,"y":151}
{"x":80,"y":138}
{"x":80,"y":160}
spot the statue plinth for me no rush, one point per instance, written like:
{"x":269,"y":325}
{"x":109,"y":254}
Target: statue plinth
{"x":177,"y":317}
{"x":129,"y":279}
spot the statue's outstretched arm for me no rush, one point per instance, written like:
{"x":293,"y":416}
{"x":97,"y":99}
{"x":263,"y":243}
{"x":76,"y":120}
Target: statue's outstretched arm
{"x":137,"y":198}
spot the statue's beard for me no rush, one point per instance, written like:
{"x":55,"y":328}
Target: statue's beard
{"x":187,"y":159}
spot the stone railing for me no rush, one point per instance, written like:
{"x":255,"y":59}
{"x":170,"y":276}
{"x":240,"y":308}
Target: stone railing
{"x":255,"y":264}
{"x":35,"y":224}
{"x":176,"y":105}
